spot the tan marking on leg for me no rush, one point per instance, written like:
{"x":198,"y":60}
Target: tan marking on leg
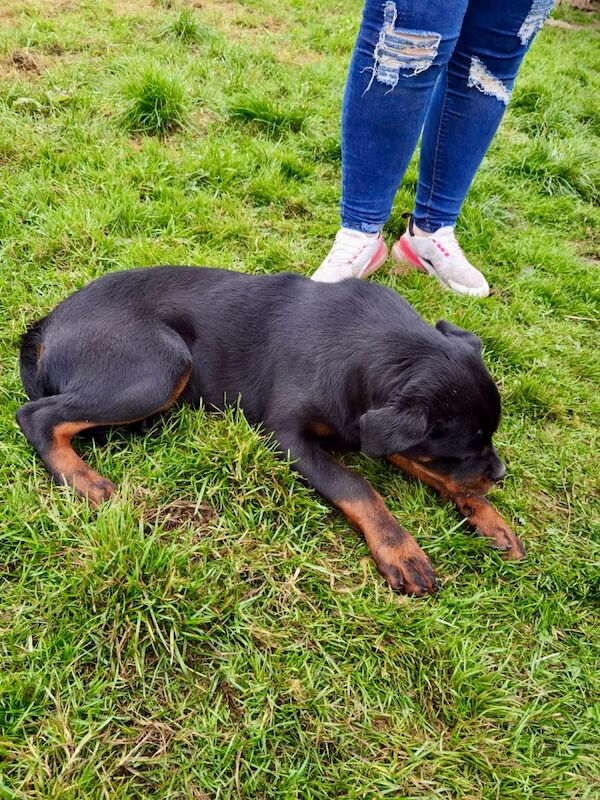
{"x":398,"y":557}
{"x":477,"y":510}
{"x":488,"y":522}
{"x":71,"y":469}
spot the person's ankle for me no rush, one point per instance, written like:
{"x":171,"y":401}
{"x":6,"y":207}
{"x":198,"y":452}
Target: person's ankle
{"x":356,"y":232}
{"x":416,"y":231}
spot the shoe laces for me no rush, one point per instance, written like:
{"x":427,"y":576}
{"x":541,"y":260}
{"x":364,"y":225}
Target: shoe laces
{"x":347,"y":248}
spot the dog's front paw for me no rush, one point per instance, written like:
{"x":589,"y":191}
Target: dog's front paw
{"x":407,"y":569}
{"x":503,"y":539}
{"x":488,"y":523}
{"x":510,"y":545}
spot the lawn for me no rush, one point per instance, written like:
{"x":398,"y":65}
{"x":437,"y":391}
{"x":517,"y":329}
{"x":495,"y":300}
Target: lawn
{"x":217,"y":631}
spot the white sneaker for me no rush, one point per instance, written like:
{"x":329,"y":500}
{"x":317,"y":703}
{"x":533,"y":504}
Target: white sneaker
{"x":353,"y":255}
{"x":440,"y":255}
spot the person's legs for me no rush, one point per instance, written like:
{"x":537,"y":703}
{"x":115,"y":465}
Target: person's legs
{"x":402,"y":47}
{"x":453,"y":65}
{"x":469,"y":102}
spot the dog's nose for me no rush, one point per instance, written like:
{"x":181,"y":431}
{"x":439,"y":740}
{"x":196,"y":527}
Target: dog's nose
{"x":499,"y":472}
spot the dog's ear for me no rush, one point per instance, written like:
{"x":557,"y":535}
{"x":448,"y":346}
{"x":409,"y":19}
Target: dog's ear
{"x":387,"y":431}
{"x":448,"y":329}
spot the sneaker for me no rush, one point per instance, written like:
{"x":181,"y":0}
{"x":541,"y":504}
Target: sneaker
{"x":353,"y":255}
{"x":440,"y":255}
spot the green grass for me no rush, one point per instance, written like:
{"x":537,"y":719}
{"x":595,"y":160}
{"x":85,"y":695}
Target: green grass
{"x":185,"y":26}
{"x":267,"y":115}
{"x":157,"y":102}
{"x":218,"y":631}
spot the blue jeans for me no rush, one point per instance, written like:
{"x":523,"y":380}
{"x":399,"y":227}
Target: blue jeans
{"x":445,"y":67}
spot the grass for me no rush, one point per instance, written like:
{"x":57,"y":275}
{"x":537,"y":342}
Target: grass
{"x":157,"y":103}
{"x":218,"y":631}
{"x":267,"y":115}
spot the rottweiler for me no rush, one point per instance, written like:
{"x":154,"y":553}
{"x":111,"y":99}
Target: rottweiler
{"x":317,"y":365}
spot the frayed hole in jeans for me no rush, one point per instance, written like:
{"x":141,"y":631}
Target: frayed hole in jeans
{"x":482,"y":79}
{"x":399,"y":49}
{"x":533,"y":22}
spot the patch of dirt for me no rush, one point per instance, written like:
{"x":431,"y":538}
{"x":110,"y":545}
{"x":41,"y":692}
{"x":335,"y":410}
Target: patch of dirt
{"x":23,"y":61}
{"x":591,"y":7}
{"x":232,"y":699}
{"x":55,"y":49}
{"x":181,"y":513}
{"x":589,"y":249}
{"x":223,"y":6}
{"x":401,"y":268}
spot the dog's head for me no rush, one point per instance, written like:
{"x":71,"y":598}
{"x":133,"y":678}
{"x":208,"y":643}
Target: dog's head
{"x":444,"y":417}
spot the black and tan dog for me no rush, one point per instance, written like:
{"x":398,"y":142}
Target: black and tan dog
{"x":315,"y":364}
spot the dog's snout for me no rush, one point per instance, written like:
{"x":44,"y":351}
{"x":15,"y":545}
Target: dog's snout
{"x":498,"y":472}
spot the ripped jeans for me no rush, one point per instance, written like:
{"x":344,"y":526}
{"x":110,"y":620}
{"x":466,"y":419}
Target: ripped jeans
{"x":445,"y":67}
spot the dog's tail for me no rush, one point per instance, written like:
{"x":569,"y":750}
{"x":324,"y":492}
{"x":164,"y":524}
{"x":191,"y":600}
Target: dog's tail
{"x":31,"y":348}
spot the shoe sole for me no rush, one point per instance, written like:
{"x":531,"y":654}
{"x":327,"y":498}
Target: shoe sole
{"x":402,"y":253}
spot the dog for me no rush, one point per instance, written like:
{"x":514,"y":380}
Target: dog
{"x":317,"y":365}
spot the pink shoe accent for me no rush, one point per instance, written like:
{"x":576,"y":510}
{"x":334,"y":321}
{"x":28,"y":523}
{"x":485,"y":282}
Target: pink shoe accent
{"x":442,"y":250}
{"x":378,"y":258}
{"x":403,"y":253}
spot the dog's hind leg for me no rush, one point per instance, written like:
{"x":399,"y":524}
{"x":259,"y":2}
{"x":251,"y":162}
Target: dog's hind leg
{"x":477,"y":510}
{"x":47,"y":427}
{"x":50,"y":423}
